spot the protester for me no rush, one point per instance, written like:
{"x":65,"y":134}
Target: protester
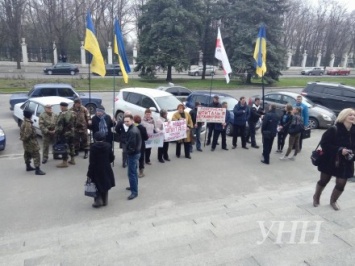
{"x":47,"y":122}
{"x":102,"y":122}
{"x":197,"y":127}
{"x":121,"y":130}
{"x":100,"y":170}
{"x":149,"y":123}
{"x":144,"y":135}
{"x":269,"y":130}
{"x":338,"y":156}
{"x":256,"y":113}
{"x":304,"y":114}
{"x":163,"y":151}
{"x":133,"y":147}
{"x":215,"y":104}
{"x":241,"y":115}
{"x":284,"y":124}
{"x":30,"y":144}
{"x":220,"y":129}
{"x":179,"y":115}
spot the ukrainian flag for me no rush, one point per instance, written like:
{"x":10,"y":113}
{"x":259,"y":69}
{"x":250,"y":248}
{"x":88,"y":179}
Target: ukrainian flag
{"x":260,"y":52}
{"x":119,"y":49}
{"x":92,"y":46}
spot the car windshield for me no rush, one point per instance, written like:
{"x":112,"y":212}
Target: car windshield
{"x":307,"y":102}
{"x":168,"y":102}
{"x":30,"y":92}
{"x":229,"y":100}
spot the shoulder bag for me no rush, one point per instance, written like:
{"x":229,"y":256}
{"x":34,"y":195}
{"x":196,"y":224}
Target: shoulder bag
{"x":90,"y":188}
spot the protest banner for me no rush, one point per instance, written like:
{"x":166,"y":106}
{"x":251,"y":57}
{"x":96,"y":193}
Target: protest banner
{"x":175,"y":130}
{"x":211,"y":114}
{"x":155,"y":140}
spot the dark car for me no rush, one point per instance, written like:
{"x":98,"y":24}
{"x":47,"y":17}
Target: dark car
{"x":332,"y":95}
{"x":205,"y":98}
{"x":113,"y":70}
{"x":319,"y":116}
{"x":2,"y":139}
{"x":180,"y":92}
{"x":91,"y":102}
{"x":62,"y":69}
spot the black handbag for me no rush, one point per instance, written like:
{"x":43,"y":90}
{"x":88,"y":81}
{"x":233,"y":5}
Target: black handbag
{"x":90,"y":188}
{"x":316,"y":156}
{"x":295,"y":129}
{"x":306,"y":133}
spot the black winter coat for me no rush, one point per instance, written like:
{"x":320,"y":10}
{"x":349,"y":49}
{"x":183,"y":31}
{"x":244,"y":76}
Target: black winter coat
{"x":144,"y":136}
{"x":332,"y":143}
{"x":270,"y":122}
{"x":100,"y":170}
{"x":95,"y":127}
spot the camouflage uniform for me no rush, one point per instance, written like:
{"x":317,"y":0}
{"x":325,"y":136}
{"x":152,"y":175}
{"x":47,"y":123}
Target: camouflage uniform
{"x":82,"y":117}
{"x":30,"y":144}
{"x":65,"y":131}
{"x":47,"y":122}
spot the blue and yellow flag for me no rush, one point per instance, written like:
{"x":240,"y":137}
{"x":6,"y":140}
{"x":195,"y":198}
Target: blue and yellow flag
{"x":119,"y":49}
{"x":260,"y":52}
{"x":92,"y":46}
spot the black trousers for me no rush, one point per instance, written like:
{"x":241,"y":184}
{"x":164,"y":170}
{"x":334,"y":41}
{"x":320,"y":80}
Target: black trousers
{"x":216,"y":134}
{"x":163,"y":151}
{"x":239,"y":130}
{"x":267,"y":146}
{"x":210,"y":131}
{"x":147,"y":152}
{"x":186,"y":149}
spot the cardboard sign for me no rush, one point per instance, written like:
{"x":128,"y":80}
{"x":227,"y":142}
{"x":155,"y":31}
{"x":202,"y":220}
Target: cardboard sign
{"x":155,"y":140}
{"x":211,"y":114}
{"x":175,"y":130}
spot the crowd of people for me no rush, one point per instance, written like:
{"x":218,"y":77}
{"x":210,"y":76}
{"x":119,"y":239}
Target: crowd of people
{"x":71,"y":126}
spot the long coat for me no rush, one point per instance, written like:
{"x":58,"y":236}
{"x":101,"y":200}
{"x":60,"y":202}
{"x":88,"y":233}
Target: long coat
{"x":95,"y":126}
{"x":333,"y":141}
{"x":100,"y":170}
{"x":190,"y":125}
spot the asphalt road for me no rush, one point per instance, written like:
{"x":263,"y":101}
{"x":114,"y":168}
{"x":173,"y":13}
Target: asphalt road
{"x":30,"y":202}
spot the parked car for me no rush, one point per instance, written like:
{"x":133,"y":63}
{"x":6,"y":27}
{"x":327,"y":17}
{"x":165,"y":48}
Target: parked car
{"x":62,"y":69}
{"x":206,"y":97}
{"x":197,"y":71}
{"x":2,"y":139}
{"x":319,"y":116}
{"x":332,"y":95}
{"x":36,"y":106}
{"x":178,"y":91}
{"x":338,"y":72}
{"x":113,"y":69}
{"x":313,"y":71}
{"x":91,"y":102}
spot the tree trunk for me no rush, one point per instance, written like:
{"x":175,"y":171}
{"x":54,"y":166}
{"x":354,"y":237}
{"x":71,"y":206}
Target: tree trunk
{"x":168,"y":75}
{"x":248,"y":81}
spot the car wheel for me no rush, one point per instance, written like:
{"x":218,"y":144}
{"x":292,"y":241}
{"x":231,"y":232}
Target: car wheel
{"x":91,"y":108}
{"x":196,"y":74}
{"x":19,"y":123}
{"x":313,"y":123}
{"x":229,"y":130}
{"x":119,"y":116}
{"x":49,"y":72}
{"x":310,"y":74}
{"x":72,"y":72}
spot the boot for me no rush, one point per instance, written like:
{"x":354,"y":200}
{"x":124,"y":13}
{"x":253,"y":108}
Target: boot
{"x":39,"y":171}
{"x":104,"y":196}
{"x":316,"y":196}
{"x":334,"y":197}
{"x":29,"y":167}
{"x":97,"y":202}
{"x":141,"y":173}
{"x":72,"y":160}
{"x":86,"y":154}
{"x":64,"y":164}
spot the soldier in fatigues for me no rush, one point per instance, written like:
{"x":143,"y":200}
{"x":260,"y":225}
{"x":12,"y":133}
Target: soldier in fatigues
{"x":82,"y":121}
{"x":47,"y":122}
{"x":30,"y":144}
{"x":65,"y":133}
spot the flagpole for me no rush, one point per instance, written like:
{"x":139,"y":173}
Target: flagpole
{"x":113,"y":113}
{"x":209,"y":103}
{"x":263,"y":89}
{"x":91,"y":137}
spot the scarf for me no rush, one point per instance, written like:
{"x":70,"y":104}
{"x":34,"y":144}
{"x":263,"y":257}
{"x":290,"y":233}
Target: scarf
{"x":103,"y":125}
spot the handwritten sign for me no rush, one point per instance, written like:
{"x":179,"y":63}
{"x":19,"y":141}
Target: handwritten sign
{"x":155,"y":140}
{"x":175,"y":130}
{"x":211,"y":114}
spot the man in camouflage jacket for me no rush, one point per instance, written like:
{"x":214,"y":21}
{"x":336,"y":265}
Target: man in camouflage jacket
{"x":47,"y":122}
{"x":82,"y":121}
{"x":30,"y":144}
{"x":65,"y":133}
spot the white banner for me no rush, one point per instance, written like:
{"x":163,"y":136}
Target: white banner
{"x":211,"y":114}
{"x":155,"y":140}
{"x":175,"y":130}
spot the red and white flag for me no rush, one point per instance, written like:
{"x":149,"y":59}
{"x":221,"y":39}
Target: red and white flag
{"x":221,"y":55}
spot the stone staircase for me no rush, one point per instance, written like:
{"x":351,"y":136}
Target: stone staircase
{"x":237,"y":230}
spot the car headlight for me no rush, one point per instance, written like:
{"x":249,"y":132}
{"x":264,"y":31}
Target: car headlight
{"x":326,"y":118}
{"x":2,"y":133}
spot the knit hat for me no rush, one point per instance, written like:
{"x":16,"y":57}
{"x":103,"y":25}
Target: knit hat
{"x":64,"y":104}
{"x":27,"y":114}
{"x":101,"y":110}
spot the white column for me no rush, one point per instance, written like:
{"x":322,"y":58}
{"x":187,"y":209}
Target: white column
{"x":332,"y":58}
{"x":319,"y":57}
{"x":55,"y":53}
{"x":24,"y":52}
{"x":289,"y":58}
{"x":304,"y":60}
{"x":345,"y":62}
{"x":134,"y":54}
{"x":109,"y":53}
{"x":82,"y":54}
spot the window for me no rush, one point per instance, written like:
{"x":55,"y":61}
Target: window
{"x":147,"y":102}
{"x":65,"y":92}
{"x":288,"y":99}
{"x":275,"y":98}
{"x":173,"y":90}
{"x":349,"y":93}
{"x":40,"y":110}
{"x":184,"y":92}
{"x":203,"y":100}
{"x":332,"y":91}
{"x":318,"y":89}
{"x":134,"y":98}
{"x":48,"y":92}
{"x":31,"y":107}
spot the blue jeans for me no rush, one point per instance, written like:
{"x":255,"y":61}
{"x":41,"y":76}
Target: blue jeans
{"x":132,"y":161}
{"x":197,"y":131}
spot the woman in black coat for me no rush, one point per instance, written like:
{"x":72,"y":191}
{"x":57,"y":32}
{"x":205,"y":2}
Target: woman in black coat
{"x":338,"y":145}
{"x":102,"y":122}
{"x":100,"y":170}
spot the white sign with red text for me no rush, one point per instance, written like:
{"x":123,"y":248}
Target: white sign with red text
{"x":175,"y":130}
{"x":211,"y":114}
{"x":155,"y":140}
